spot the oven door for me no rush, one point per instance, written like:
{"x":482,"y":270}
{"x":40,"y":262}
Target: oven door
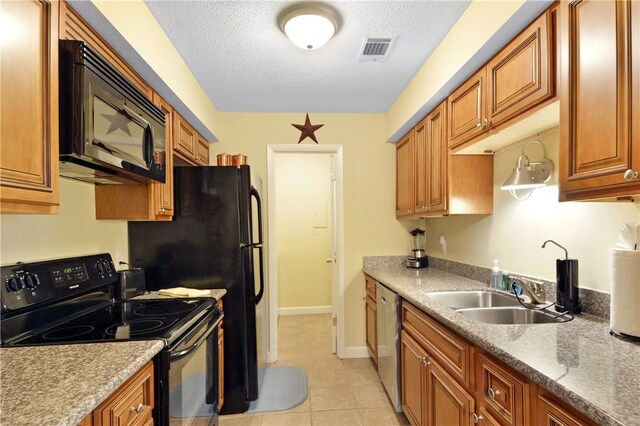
{"x":193,"y":377}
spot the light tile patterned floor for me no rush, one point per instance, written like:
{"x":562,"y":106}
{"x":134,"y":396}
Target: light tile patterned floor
{"x":341,"y":392}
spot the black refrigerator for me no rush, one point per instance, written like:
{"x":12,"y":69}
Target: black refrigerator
{"x":213,"y":241}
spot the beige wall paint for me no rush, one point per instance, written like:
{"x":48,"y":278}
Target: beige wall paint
{"x":303,"y":182}
{"x":74,"y":231}
{"x":459,"y":45}
{"x":136,"y":23}
{"x":516,"y":230}
{"x":369,"y":186}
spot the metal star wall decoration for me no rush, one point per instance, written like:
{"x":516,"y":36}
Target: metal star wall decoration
{"x":307,"y":130}
{"x":118,"y":121}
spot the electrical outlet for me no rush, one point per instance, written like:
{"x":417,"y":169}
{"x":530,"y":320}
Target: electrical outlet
{"x":119,"y":258}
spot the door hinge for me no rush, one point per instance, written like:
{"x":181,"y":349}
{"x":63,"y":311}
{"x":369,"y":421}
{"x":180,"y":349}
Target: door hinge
{"x":333,"y":177}
{"x":335,"y":321}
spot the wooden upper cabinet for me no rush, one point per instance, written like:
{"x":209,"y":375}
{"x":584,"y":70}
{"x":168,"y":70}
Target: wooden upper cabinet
{"x":74,"y":27}
{"x":202,"y":150}
{"x":405,"y":176}
{"x":467,"y":113}
{"x":437,"y":155}
{"x":522,"y":74}
{"x":421,"y":160}
{"x":599,"y":139}
{"x":185,"y":139}
{"x":29,"y":109}
{"x":162,"y":196}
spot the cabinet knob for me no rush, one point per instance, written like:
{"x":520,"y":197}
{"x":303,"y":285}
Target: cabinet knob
{"x":477,"y":418}
{"x":486,"y":123}
{"x":138,"y":410}
{"x":162,"y":210}
{"x":479,"y":124}
{"x":630,"y":174}
{"x":492,"y":394}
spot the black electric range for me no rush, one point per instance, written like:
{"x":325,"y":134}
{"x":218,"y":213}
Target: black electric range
{"x":72,"y":301}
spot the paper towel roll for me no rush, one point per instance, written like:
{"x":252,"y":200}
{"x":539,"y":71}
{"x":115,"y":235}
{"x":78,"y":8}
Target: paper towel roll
{"x":624,"y":274}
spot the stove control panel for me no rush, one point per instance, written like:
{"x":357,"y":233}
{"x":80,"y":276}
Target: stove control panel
{"x":29,"y":284}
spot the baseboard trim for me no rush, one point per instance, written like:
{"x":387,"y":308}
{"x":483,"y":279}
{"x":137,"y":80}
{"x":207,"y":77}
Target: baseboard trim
{"x":305,"y":310}
{"x":356,"y":352}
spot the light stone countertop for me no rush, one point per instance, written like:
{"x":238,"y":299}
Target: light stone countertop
{"x":216,"y":293}
{"x":578,"y":361}
{"x":61,"y":384}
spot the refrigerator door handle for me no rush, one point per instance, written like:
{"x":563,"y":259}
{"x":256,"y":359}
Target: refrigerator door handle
{"x":254,"y":193}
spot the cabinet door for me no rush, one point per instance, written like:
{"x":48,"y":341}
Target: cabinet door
{"x":550,"y":413}
{"x":412,"y":373}
{"x":29,"y":108}
{"x":467,"y":116}
{"x":202,"y":150}
{"x":405,"y":176}
{"x":521,"y":75}
{"x":372,"y":328}
{"x":162,"y":198}
{"x":448,"y":403}
{"x":421,"y":167}
{"x":184,"y":140}
{"x":596,"y":95}
{"x":438,"y":153}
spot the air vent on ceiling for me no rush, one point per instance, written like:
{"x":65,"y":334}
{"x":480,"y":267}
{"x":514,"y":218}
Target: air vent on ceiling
{"x":375,"y":48}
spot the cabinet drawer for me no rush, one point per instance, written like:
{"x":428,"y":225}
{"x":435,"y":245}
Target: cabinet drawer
{"x":550,"y":412}
{"x":131,"y":404}
{"x":371,"y":287}
{"x":502,"y":392}
{"x":447,"y":348}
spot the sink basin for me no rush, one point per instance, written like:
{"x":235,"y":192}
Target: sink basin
{"x":473,"y":299}
{"x":506,"y":315}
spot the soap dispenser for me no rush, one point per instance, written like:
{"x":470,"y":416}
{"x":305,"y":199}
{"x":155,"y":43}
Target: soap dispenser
{"x":496,"y":278}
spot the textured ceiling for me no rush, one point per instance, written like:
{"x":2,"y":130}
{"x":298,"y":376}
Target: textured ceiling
{"x":245,"y":63}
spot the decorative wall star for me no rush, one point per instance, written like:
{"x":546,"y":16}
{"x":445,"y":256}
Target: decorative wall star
{"x":118,"y":121}
{"x":307,"y":130}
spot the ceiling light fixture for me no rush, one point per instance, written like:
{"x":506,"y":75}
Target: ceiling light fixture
{"x":528,"y":176}
{"x":309,"y":25}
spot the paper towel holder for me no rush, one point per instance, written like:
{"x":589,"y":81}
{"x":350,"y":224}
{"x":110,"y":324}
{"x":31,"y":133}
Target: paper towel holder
{"x":567,"y":290}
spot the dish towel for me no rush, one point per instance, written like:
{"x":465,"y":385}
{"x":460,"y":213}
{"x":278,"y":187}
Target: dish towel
{"x":184,"y":292}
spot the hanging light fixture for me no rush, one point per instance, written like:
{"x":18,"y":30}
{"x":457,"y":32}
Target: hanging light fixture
{"x":527,"y":175}
{"x":309,"y":25}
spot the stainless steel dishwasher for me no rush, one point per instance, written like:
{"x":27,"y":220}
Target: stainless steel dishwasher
{"x":388,"y":322}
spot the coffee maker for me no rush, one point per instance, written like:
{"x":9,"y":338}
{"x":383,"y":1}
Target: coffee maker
{"x":418,"y":258}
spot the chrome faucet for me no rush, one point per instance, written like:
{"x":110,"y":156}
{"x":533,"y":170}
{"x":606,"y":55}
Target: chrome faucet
{"x":533,"y":289}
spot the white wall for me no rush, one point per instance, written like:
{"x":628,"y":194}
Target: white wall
{"x":73,"y":232}
{"x":516,"y":230}
{"x":303,"y":229}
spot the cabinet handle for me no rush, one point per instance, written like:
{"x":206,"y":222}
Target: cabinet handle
{"x":138,"y":410}
{"x":630,"y":174}
{"x":486,"y":123}
{"x":477,"y":418}
{"x":492,"y":394}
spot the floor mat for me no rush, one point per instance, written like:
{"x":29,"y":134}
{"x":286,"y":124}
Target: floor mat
{"x":282,"y":388}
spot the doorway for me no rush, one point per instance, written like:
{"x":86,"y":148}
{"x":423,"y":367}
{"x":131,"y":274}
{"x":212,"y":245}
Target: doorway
{"x":317,"y":210}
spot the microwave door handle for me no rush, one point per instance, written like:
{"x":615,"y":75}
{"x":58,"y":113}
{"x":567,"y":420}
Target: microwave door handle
{"x":259,"y":245}
{"x":147,"y":148}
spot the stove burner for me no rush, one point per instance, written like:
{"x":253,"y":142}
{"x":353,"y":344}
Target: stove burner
{"x":67,"y":332}
{"x":165,"y":308}
{"x":125,"y":306}
{"x":135,"y":327}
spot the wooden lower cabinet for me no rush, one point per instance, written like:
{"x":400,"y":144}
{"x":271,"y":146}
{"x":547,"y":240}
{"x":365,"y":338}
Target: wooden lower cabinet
{"x":132,"y":404}
{"x":371,"y":318}
{"x":435,"y":393}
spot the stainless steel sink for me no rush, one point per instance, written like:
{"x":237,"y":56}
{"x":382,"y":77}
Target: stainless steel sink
{"x":473,"y":299}
{"x":508,"y":315}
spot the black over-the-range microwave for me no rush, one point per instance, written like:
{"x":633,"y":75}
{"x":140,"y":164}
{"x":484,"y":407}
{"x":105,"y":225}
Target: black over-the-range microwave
{"x":110,"y":133}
